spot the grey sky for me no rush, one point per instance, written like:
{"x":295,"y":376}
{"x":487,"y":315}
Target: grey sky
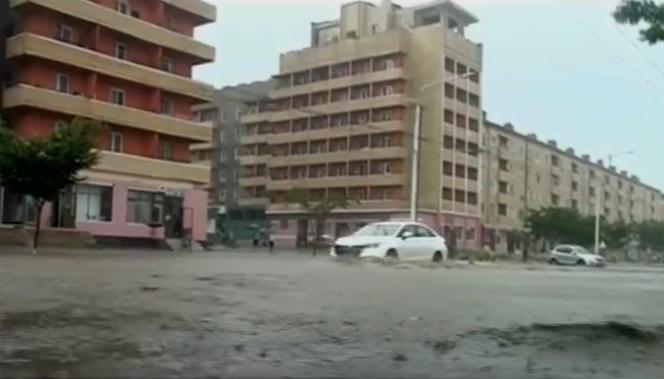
{"x":558,"y":68}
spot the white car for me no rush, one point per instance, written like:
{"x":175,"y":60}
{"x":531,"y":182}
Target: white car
{"x":396,"y":240}
{"x":575,"y":255}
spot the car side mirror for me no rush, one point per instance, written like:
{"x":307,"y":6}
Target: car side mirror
{"x":406,"y":235}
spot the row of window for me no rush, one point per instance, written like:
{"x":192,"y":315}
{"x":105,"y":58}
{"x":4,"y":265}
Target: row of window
{"x":95,"y":203}
{"x":459,"y":171}
{"x":65,"y":33}
{"x":117,"y":95}
{"x":340,"y":70}
{"x":460,"y":196}
{"x":361,"y":168}
{"x":324,"y":122}
{"x":459,"y":69}
{"x":461,"y":120}
{"x":462,"y":95}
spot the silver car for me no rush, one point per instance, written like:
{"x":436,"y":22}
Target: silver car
{"x":575,"y":255}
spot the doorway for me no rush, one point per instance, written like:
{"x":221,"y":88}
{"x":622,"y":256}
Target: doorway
{"x":173,"y":217}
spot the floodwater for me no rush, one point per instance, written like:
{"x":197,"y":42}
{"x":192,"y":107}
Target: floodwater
{"x":232,"y":315}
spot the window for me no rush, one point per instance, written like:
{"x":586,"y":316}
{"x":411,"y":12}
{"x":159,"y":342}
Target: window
{"x":555,"y":199}
{"x":575,"y":204}
{"x":120,"y":50}
{"x":474,"y":100}
{"x":448,"y":168}
{"x":555,"y":179}
{"x":117,"y":142}
{"x":449,"y":65}
{"x":387,"y":90}
{"x":472,"y":173}
{"x":502,"y":209}
{"x":554,"y":160}
{"x":575,"y":168}
{"x":168,"y":64}
{"x":575,"y":186}
{"x":65,"y":33}
{"x":165,"y":150}
{"x":447,"y":193}
{"x":117,"y":96}
{"x":167,"y":107}
{"x":93,"y":203}
{"x":122,"y":6}
{"x":461,"y":95}
{"x":503,"y":187}
{"x":503,"y":164}
{"x":283,"y":224}
{"x":387,"y":64}
{"x":470,"y":234}
{"x":421,"y":231}
{"x":591,"y":173}
{"x":145,"y":207}
{"x":503,"y":141}
{"x":449,"y":116}
{"x":472,"y":198}
{"x":62,"y":83}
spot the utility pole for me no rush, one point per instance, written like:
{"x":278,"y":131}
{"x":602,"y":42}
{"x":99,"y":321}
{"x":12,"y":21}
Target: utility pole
{"x":415,"y":166}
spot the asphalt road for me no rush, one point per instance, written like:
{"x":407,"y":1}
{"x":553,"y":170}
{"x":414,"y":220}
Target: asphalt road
{"x":232,"y":315}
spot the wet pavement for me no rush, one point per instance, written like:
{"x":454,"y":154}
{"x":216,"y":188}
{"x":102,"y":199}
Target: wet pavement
{"x":249,"y":315}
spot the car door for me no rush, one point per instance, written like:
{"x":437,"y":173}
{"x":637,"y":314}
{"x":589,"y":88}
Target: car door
{"x":563,"y":254}
{"x":427,"y":241}
{"x":409,"y":245}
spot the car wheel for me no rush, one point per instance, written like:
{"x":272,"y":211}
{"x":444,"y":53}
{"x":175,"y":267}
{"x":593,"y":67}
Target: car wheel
{"x":553,"y":261}
{"x":580,"y":262}
{"x":437,"y":257}
{"x":392,"y":254}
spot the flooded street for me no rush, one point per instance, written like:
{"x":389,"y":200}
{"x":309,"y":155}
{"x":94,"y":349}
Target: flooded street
{"x":222,"y":315}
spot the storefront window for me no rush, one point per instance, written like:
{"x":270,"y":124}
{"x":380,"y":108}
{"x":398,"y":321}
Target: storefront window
{"x":93,"y":203}
{"x":145,"y":207}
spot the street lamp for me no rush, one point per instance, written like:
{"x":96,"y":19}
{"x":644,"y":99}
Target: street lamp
{"x":415,"y":164}
{"x":599,"y":199}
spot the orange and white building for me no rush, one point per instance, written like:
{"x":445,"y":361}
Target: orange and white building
{"x":127,"y":63}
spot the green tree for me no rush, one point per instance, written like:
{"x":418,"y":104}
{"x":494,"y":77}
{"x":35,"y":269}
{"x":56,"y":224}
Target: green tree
{"x":616,"y":235}
{"x":643,"y":11}
{"x":650,"y":235}
{"x":43,"y":167}
{"x":318,"y":211}
{"x":560,"y":225}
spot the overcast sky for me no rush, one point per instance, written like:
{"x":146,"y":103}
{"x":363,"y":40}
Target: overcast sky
{"x":559,"y":68}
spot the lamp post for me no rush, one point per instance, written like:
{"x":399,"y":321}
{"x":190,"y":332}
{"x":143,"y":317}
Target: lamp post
{"x":415,"y":157}
{"x":599,"y":199}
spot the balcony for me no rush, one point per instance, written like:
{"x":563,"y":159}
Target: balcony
{"x":339,"y":132}
{"x":132,"y":26}
{"x":390,"y":42}
{"x":254,"y":117}
{"x":340,"y":156}
{"x":249,"y":160}
{"x":338,"y":181}
{"x":201,"y":146}
{"x":254,"y":182}
{"x":53,"y":50}
{"x":202,"y":9}
{"x":152,"y":168}
{"x":28,"y":96}
{"x":254,"y":139}
{"x":346,"y":81}
{"x":340,"y":107}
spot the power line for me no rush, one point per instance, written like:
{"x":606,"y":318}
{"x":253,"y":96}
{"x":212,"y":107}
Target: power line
{"x":624,"y":62}
{"x":640,"y":50}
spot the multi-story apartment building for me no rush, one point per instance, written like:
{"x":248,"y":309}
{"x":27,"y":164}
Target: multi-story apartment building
{"x":127,"y":63}
{"x":341,"y":121}
{"x":523,"y":173}
{"x":231,"y":213}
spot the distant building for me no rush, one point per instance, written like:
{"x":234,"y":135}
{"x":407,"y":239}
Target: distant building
{"x":341,"y":122}
{"x":522,"y":173}
{"x":230,"y":214}
{"x":127,"y":63}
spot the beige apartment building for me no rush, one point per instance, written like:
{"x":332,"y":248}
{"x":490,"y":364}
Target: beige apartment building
{"x":524,"y":173}
{"x":341,"y":121}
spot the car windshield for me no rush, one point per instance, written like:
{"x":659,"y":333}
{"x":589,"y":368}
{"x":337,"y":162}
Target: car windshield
{"x":582,"y":250}
{"x":377,"y":230}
